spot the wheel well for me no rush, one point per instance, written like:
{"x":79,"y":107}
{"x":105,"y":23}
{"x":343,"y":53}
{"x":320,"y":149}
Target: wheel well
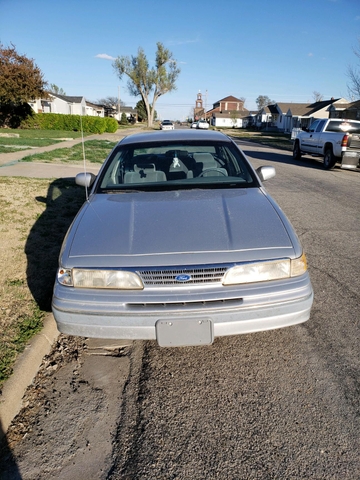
{"x":328,"y":146}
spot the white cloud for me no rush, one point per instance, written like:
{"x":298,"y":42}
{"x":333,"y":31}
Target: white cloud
{"x":105,"y":56}
{"x":310,"y":54}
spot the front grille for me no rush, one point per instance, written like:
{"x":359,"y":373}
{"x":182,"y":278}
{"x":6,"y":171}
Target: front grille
{"x":191,"y":304}
{"x":190,"y":276}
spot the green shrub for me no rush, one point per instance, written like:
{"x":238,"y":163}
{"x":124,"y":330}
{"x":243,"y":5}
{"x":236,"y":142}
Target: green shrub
{"x":57,"y":121}
{"x":111,"y":125}
{"x":124,"y":120}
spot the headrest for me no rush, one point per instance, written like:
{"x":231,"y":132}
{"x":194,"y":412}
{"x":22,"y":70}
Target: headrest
{"x":147,"y":166}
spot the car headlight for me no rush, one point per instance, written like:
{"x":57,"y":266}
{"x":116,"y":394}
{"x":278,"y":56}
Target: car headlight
{"x":265,"y":271}
{"x":87,"y":278}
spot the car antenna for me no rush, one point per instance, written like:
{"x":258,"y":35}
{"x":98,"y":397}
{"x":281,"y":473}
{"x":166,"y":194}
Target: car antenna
{"x":84,"y":156}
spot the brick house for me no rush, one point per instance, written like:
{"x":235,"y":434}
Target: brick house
{"x":228,"y":112}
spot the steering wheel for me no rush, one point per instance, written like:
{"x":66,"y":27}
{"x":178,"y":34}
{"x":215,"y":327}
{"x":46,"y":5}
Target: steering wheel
{"x":213,"y":169}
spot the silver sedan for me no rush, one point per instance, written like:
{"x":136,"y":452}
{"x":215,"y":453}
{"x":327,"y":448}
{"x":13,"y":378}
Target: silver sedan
{"x":179,"y":242}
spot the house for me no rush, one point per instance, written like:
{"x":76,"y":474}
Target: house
{"x":350,"y":111}
{"x":131,"y":114}
{"x":67,"y":105}
{"x":228,"y":112}
{"x":260,"y":119}
{"x":286,"y":116}
{"x":227,"y":120}
{"x":94,"y":110}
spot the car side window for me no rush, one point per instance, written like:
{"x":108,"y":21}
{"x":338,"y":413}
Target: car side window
{"x":320,"y":126}
{"x":313,"y":126}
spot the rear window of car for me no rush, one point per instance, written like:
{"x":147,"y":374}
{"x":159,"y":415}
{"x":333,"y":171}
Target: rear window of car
{"x":346,"y":126}
{"x":176,"y":166}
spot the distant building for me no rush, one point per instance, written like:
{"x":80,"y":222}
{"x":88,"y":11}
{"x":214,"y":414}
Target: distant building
{"x":67,"y":105}
{"x":228,"y":112}
{"x":199,"y":111}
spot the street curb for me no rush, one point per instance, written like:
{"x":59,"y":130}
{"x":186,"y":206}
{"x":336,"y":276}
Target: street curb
{"x":25,"y":369}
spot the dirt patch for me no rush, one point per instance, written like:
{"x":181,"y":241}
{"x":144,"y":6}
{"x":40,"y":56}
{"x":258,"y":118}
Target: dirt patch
{"x":70,"y":414}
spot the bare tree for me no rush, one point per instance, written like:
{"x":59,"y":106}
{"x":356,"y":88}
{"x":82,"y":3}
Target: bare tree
{"x":353,"y":74}
{"x":263,"y":100}
{"x":111,"y":102}
{"x":317,"y":96}
{"x":57,"y":90}
{"x":145,"y":81}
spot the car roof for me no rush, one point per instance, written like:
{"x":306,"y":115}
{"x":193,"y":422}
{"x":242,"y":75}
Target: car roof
{"x":175,"y":135}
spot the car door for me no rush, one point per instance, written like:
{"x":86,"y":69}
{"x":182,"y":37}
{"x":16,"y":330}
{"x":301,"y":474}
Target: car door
{"x":308,"y":139}
{"x":317,"y":139}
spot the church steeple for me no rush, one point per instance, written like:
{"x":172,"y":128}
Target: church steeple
{"x":199,"y":109}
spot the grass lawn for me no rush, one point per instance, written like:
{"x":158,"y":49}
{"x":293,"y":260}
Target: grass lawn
{"x":95,"y":152}
{"x":13,"y":140}
{"x":34,"y":217}
{"x":271,"y":139}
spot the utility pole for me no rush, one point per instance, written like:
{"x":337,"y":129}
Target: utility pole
{"x":205,"y":103}
{"x":119,"y":102}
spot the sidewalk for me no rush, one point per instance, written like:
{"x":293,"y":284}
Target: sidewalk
{"x":11,"y":165}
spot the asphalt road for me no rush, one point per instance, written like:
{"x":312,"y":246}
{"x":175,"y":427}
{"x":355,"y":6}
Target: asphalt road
{"x":282,"y":404}
{"x":273,"y":405}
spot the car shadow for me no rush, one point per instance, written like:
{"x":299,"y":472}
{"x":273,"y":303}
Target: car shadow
{"x":42,"y":248}
{"x":286,"y":157}
{"x":8,"y":467}
{"x":315,"y":163}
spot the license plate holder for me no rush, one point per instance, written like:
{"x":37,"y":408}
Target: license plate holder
{"x":184,"y":332}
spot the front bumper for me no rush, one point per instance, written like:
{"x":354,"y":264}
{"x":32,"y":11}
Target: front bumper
{"x":230,"y":310}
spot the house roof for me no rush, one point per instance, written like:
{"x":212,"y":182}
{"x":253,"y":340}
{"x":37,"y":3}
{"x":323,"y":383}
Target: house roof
{"x":67,"y":98}
{"x":230,"y":98}
{"x":296,"y":108}
{"x":347,"y":106}
{"x":96,"y":105}
{"x":127,"y":109}
{"x":265,"y":109}
{"x":305,"y":109}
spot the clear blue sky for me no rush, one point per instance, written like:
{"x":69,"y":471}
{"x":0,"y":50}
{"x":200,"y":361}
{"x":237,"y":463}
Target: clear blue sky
{"x":285,"y":49}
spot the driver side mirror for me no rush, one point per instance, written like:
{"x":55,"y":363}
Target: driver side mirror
{"x":85,"y":179}
{"x":265,"y":173}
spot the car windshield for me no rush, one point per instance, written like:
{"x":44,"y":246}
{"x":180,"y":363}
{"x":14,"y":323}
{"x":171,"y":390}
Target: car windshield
{"x":169,"y":165}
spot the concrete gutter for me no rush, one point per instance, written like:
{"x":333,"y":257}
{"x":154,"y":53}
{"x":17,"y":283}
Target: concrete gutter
{"x":25,"y":369}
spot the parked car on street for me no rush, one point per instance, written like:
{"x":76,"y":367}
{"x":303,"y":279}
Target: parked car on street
{"x":179,"y":242}
{"x":333,"y":139}
{"x":166,"y":125}
{"x":203,"y":124}
{"x":194,"y":125}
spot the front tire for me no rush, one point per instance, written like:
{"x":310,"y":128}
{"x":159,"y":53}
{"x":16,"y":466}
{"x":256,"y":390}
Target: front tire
{"x":297,"y":151}
{"x":329,"y":159}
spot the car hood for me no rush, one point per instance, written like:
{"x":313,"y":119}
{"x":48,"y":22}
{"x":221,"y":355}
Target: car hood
{"x":178,"y":227}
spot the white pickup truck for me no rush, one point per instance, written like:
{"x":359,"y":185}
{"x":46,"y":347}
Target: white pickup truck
{"x":334,"y":139}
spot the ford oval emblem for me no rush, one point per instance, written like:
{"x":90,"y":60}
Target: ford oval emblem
{"x":183,"y":278}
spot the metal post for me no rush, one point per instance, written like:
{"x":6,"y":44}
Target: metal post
{"x":119,"y":102}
